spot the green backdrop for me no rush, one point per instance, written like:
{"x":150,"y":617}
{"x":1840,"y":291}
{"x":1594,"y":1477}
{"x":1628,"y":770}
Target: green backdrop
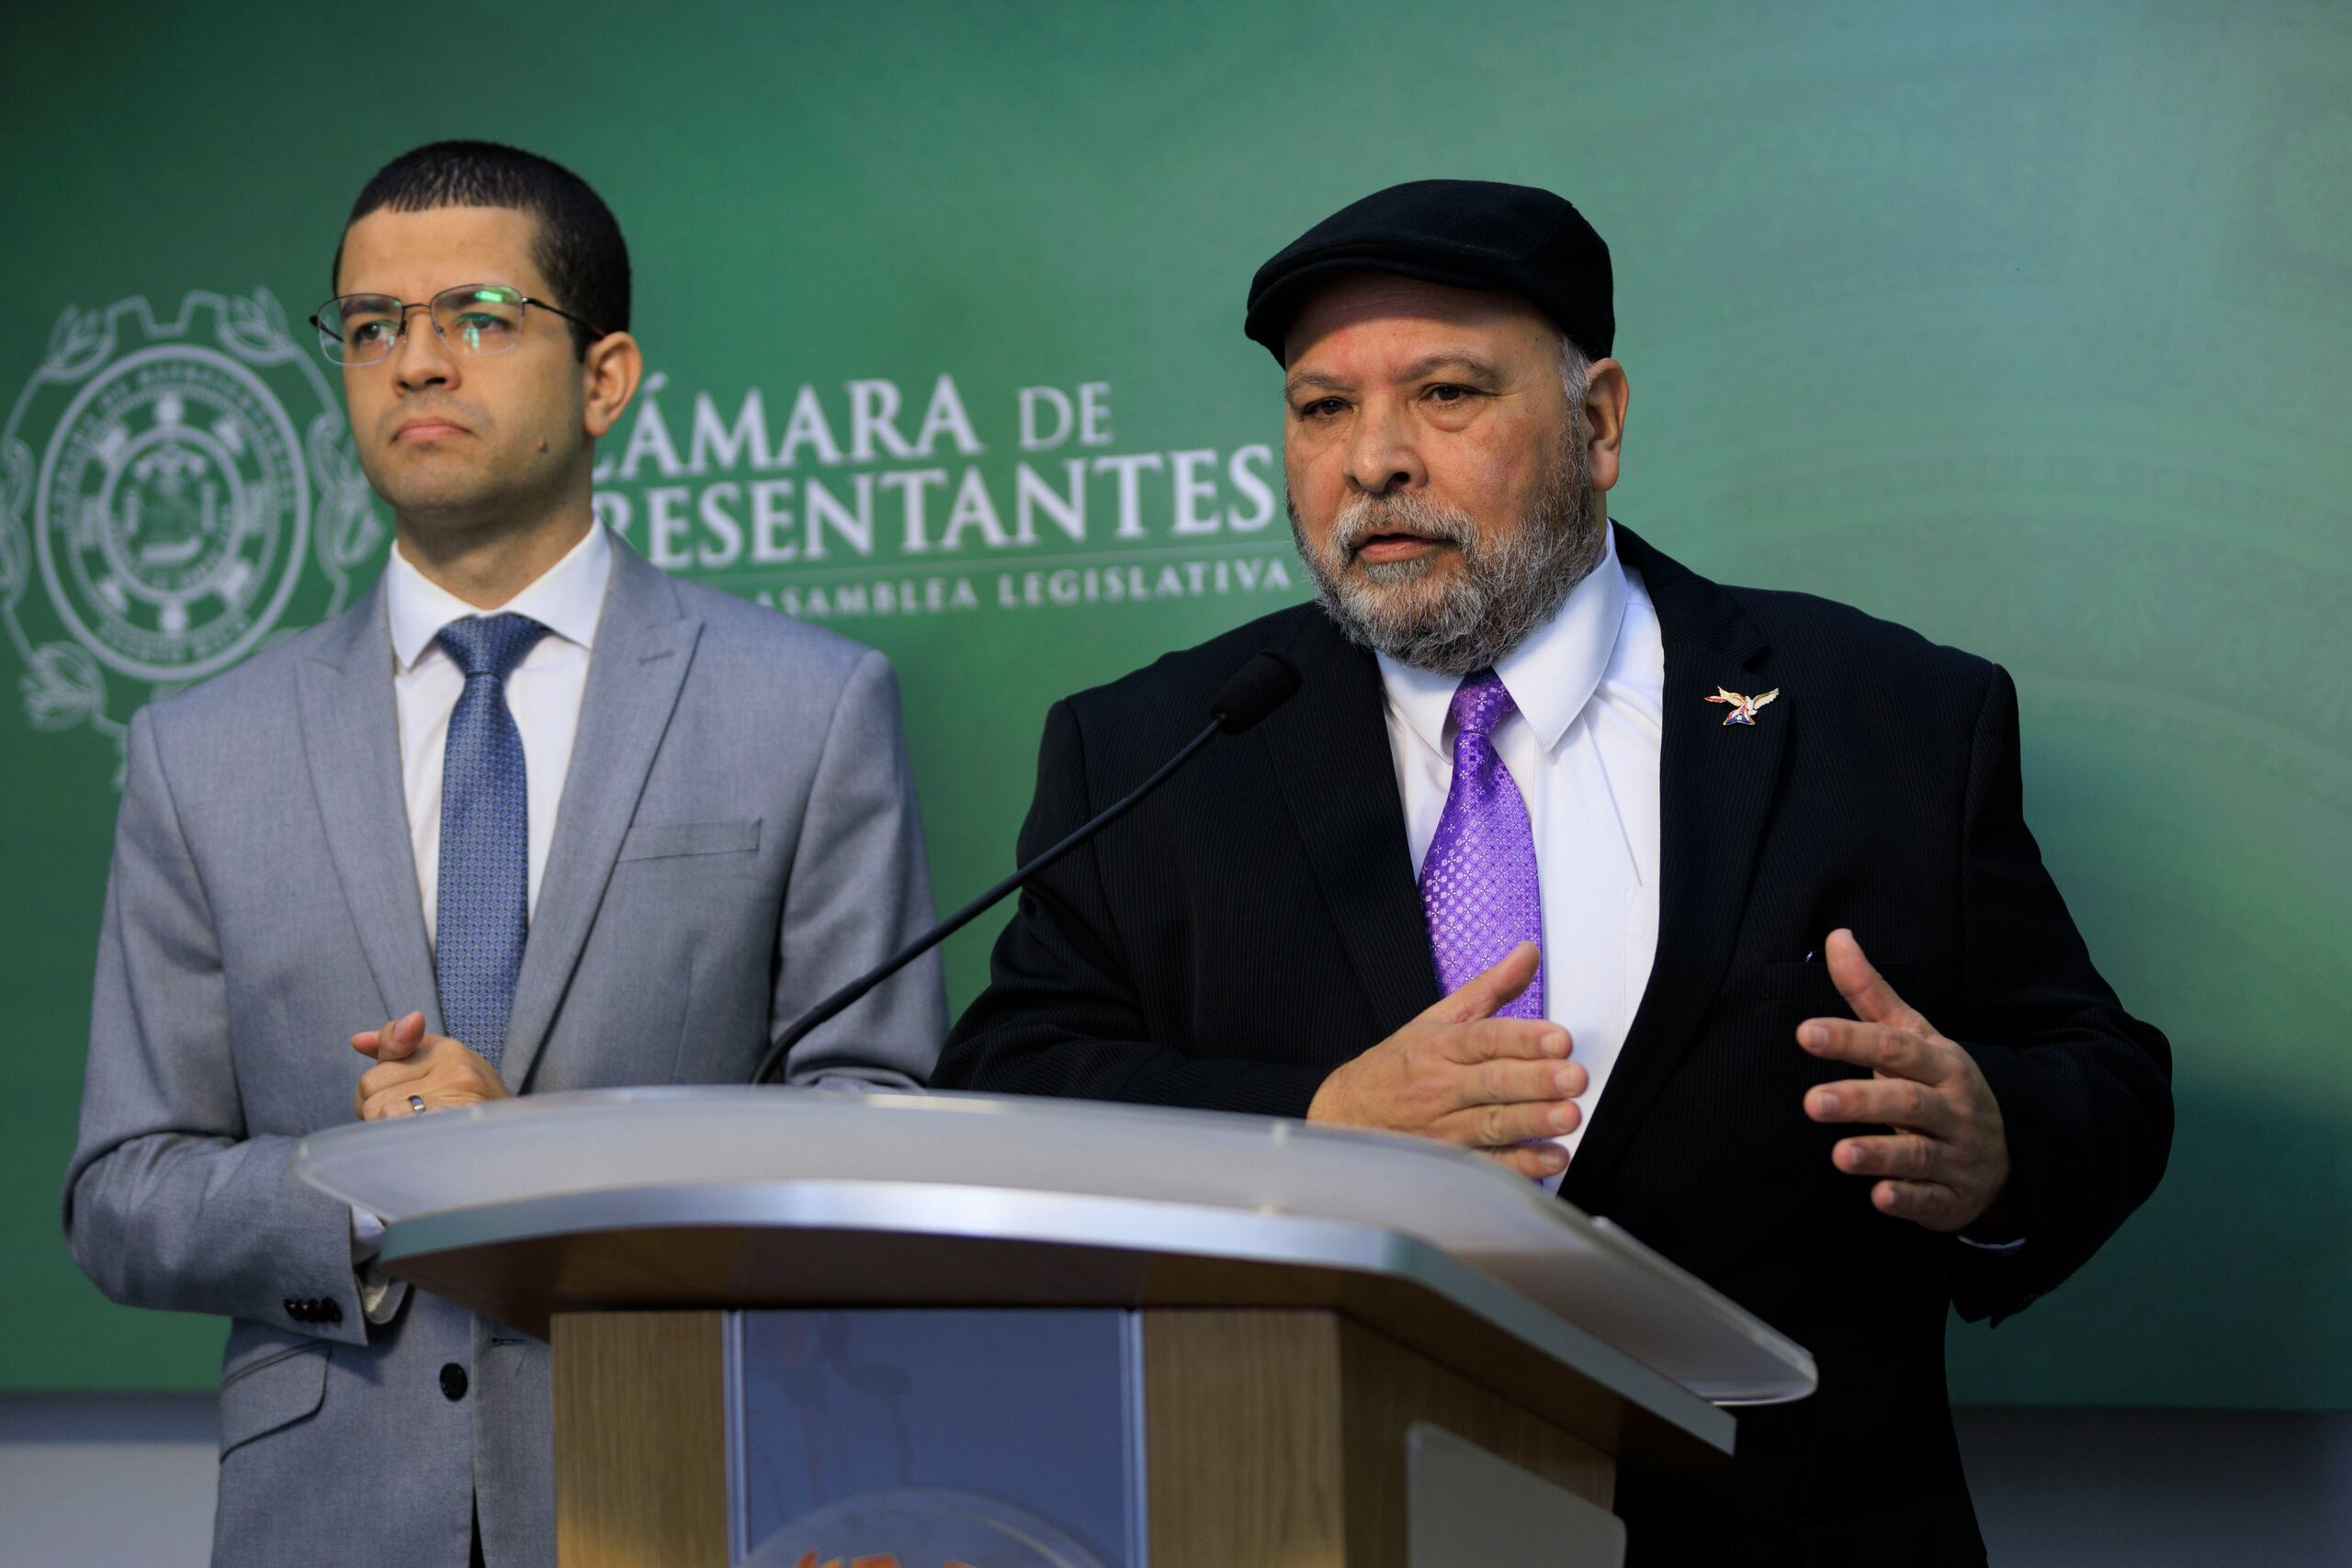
{"x":2026,"y":325}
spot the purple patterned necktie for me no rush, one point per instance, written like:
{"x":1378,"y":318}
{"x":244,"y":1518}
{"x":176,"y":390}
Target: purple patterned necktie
{"x":1478,"y":882}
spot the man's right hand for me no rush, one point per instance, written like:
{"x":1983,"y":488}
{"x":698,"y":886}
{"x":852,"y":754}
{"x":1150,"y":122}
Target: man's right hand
{"x":412,"y":1065}
{"x":1501,"y":1086}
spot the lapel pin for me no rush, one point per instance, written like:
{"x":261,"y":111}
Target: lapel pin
{"x":1742,"y":708}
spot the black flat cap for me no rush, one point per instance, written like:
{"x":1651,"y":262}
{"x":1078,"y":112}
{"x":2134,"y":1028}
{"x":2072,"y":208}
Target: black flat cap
{"x":1470,"y":233}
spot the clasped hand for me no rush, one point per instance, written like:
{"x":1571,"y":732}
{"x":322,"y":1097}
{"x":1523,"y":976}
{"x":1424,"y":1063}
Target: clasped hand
{"x":1503,"y":1087}
{"x":433,"y":1068}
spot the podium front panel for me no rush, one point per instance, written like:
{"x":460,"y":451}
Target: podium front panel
{"x":944,"y":1429}
{"x":1026,"y":1438}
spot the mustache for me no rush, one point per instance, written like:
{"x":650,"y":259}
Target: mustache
{"x":1368,"y":516}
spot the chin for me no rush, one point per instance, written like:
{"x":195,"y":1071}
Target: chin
{"x":1384,"y":577}
{"x":445,"y":506}
{"x":423,"y":498}
{"x":1404,"y":605}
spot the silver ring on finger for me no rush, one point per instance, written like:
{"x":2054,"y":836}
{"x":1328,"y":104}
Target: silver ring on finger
{"x":416,"y":1105}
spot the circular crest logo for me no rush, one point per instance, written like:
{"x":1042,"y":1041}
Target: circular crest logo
{"x":182,"y":492}
{"x":921,"y":1527}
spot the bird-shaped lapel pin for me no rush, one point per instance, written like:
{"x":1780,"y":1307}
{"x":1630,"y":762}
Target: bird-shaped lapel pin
{"x":1742,"y":709}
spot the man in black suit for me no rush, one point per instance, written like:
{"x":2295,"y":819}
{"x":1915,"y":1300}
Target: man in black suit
{"x":1524,"y":731}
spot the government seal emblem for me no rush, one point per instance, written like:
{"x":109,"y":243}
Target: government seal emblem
{"x":179,"y":493}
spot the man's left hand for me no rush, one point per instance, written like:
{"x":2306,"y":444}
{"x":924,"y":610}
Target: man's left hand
{"x":1947,"y":1162}
{"x":433,"y":1068}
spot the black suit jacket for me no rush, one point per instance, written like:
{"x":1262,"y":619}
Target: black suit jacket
{"x":1257,"y":922}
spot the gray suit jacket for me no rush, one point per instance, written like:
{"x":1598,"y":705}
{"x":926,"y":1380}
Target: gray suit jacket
{"x":737,"y":838}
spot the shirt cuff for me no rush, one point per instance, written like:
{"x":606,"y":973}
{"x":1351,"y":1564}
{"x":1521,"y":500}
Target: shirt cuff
{"x":367,"y":1235}
{"x":381,"y":1295}
{"x":2001,"y":1248}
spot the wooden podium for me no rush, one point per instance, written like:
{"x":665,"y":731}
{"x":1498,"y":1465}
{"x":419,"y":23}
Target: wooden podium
{"x":1115,"y":1334}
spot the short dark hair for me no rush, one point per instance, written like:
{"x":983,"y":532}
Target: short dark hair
{"x":579,"y":245}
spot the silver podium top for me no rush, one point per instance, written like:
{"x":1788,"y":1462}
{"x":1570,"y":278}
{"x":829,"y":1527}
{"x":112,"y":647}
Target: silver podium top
{"x":1163,"y":1185}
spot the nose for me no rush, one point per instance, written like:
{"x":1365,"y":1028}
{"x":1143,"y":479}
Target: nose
{"x":1381,"y":458}
{"x":420,"y":359}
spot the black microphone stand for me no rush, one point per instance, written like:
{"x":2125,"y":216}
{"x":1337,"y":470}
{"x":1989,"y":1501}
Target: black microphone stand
{"x":833,"y":1005}
{"x":1255,"y":690}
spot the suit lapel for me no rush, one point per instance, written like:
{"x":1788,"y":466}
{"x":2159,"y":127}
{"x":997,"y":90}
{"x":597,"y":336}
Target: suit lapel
{"x":1715,"y":788}
{"x":351,"y":744}
{"x":645,"y":640}
{"x":1330,"y":750}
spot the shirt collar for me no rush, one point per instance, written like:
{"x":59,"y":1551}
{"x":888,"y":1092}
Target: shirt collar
{"x":1550,"y":676}
{"x":568,"y":598}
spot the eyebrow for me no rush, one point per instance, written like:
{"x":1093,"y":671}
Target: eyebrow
{"x":476,"y":283}
{"x":1428,"y":365}
{"x":1479,"y":370}
{"x":1315,"y":379}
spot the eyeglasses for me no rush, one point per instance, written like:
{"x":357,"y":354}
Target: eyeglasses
{"x":472,"y":318}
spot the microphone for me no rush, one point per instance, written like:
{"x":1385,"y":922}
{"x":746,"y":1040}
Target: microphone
{"x":1248,"y":694}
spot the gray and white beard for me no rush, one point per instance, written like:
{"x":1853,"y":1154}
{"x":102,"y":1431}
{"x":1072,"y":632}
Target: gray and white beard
{"x":1453,"y":622}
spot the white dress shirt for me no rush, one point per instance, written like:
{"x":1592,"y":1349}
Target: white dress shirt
{"x":543,"y":693}
{"x":1583,"y":747}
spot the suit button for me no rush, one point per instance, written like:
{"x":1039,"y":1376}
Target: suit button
{"x":453,"y":1381}
{"x":294,"y":1309}
{"x":332,"y":1310}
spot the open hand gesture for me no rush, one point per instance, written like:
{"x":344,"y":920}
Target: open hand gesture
{"x":1501,"y":1086}
{"x":1946,"y":1162}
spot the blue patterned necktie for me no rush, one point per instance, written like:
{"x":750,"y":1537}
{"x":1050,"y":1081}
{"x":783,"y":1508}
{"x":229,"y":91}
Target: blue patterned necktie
{"x":482,"y":908}
{"x":1478,"y":881}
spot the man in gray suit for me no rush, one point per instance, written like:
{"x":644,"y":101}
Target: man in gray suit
{"x":566,"y":821}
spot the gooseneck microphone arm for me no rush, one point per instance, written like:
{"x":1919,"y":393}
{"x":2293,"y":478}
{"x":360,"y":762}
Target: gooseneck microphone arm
{"x":832,"y":1005}
{"x":1255,"y":690}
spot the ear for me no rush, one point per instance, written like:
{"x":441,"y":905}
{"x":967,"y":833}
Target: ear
{"x":1606,"y":394}
{"x":608,"y":375}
